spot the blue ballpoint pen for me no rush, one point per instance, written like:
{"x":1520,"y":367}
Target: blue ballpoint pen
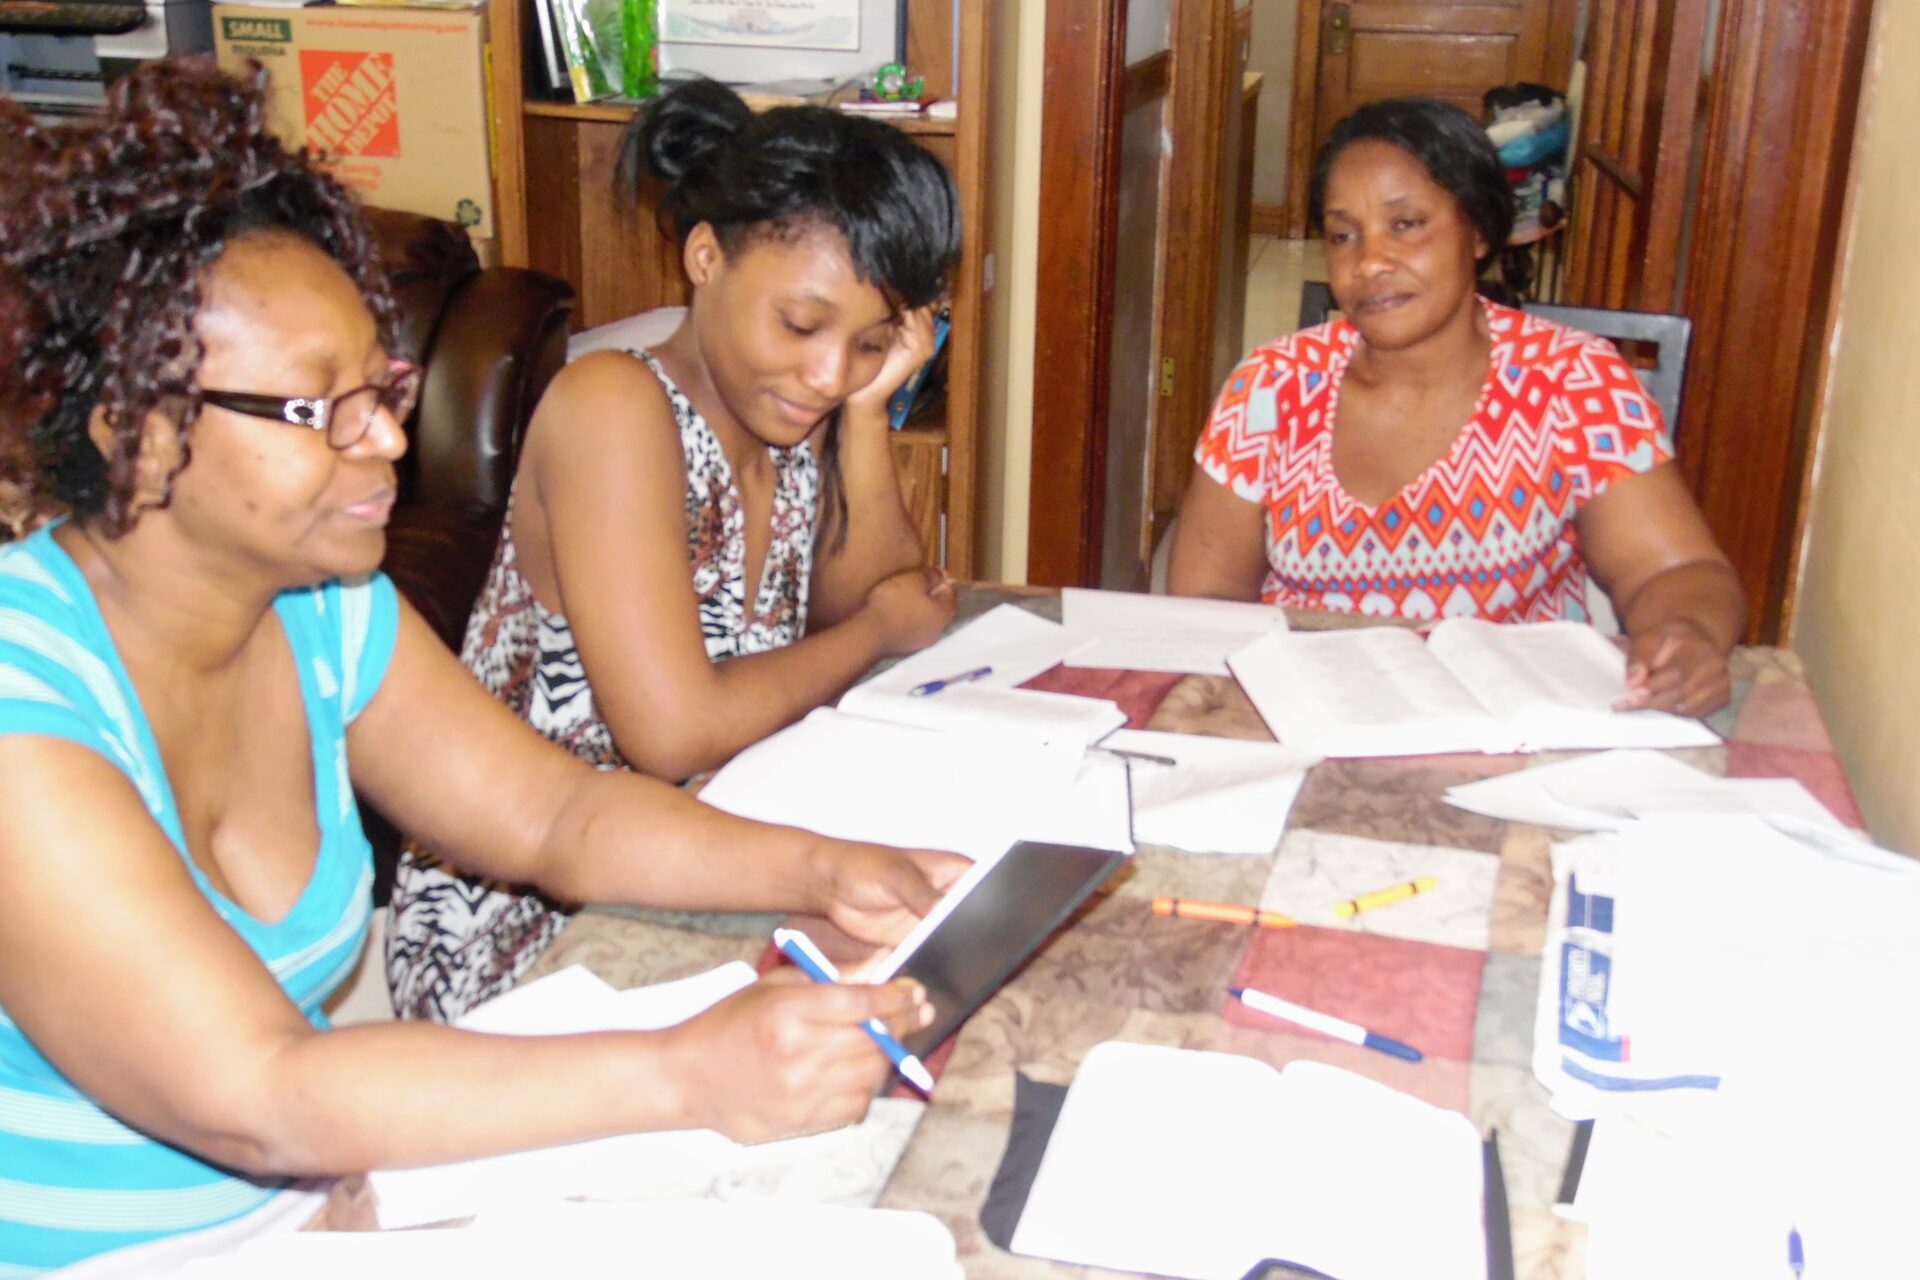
{"x":935,"y":686}
{"x":1325,"y":1023}
{"x":799,"y":948}
{"x":1796,"y":1252}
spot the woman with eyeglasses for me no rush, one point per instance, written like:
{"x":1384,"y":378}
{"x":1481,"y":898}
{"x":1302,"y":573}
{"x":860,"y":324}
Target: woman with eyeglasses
{"x":706,"y":540}
{"x":199,"y":665}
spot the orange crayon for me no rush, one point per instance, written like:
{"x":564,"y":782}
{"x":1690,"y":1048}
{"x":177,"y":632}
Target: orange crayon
{"x":1220,"y":913}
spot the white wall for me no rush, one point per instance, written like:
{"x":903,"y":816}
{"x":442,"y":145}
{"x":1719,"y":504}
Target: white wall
{"x":1272,"y":57}
{"x":1013,"y":160}
{"x":1861,"y":556}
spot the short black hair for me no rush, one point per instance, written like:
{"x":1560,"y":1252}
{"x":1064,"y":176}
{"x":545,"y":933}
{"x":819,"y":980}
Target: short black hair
{"x":776,"y":172}
{"x":1449,"y":143}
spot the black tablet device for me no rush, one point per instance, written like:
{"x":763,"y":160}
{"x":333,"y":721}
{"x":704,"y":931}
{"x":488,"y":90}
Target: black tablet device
{"x":1006,"y":916}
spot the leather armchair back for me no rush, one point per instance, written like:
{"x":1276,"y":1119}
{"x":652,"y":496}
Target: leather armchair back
{"x":490,"y":340}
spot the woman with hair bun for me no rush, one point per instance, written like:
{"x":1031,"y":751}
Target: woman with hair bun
{"x":707,"y":540}
{"x":198,"y":667}
{"x":1433,"y":454}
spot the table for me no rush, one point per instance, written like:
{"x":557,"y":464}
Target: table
{"x":1121,"y":972}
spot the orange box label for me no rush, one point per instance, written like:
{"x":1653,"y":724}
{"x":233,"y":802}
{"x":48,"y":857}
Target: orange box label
{"x":351,"y":106}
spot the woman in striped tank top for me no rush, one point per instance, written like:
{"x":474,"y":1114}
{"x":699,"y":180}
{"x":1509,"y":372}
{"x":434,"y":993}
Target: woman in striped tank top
{"x":201,"y":663}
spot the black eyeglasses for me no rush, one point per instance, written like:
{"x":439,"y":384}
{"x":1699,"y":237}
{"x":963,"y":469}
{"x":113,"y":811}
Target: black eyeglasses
{"x":344,"y":419}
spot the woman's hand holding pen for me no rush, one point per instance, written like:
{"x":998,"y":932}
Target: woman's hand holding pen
{"x":1677,"y":667}
{"x":787,"y":1057}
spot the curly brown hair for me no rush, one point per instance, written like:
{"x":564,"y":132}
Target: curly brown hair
{"x":106,"y":229}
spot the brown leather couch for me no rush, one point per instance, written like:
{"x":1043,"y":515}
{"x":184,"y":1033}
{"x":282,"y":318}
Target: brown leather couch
{"x":490,"y":340}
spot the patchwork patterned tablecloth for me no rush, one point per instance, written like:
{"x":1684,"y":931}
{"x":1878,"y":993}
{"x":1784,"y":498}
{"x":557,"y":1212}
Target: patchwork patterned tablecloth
{"x":1454,"y":971}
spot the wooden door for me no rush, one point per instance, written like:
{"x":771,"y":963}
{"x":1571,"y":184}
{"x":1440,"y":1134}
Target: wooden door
{"x":1352,"y":52}
{"x":1133,"y":157}
{"x":1629,"y":182}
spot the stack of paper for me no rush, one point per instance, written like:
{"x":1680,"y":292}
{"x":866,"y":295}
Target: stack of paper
{"x":1186,"y":1163}
{"x":1683,"y":950}
{"x":705,"y":1238}
{"x":1470,"y":686}
{"x":848,"y":1166}
{"x":1131,"y":632}
{"x":1731,"y":1007}
{"x":1604,"y":791}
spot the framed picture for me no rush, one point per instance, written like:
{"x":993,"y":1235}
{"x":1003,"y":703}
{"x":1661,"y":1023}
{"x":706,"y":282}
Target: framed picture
{"x":768,"y":40}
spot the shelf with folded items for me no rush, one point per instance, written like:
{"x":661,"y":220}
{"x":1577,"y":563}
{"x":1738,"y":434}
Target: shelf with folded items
{"x":557,"y":211}
{"x":619,"y":111}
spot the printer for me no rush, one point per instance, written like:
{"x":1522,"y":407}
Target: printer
{"x":58,"y":56}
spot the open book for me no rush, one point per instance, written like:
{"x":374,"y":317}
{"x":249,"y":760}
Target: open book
{"x":1187,"y":1163}
{"x":1010,"y":646}
{"x":1470,"y":686}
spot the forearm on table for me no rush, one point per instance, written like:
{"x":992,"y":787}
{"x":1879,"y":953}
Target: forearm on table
{"x":1703,"y":593}
{"x":704,"y":722}
{"x":621,"y":838}
{"x":357,"y":1098}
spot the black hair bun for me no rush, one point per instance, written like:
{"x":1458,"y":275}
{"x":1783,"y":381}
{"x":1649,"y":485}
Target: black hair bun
{"x":687,"y":125}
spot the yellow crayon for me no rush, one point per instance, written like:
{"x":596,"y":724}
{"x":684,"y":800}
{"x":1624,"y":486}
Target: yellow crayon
{"x":1381,"y":897}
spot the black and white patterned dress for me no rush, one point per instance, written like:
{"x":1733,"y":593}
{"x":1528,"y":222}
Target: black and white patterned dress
{"x":455,"y":941}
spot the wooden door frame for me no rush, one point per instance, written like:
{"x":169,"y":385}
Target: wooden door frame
{"x":1785,"y":87}
{"x":1080,"y":130}
{"x":1079,"y":171}
{"x":1306,"y":90}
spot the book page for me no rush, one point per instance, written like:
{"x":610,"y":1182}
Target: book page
{"x":1187,"y":1163}
{"x":1017,"y":645}
{"x":1159,"y":1162}
{"x":1128,"y":631}
{"x":1062,"y":718}
{"x":1516,"y":668}
{"x":1354,"y":1154}
{"x":1372,"y":691}
{"x":1557,"y":683}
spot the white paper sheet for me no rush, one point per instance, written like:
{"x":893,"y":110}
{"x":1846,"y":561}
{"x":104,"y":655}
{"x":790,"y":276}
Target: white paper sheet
{"x":859,"y":779}
{"x":1127,"y":631}
{"x":847,"y":1165}
{"x":1222,"y":795}
{"x":713,"y":1239}
{"x":1601,"y":792}
{"x":1195,"y":1164}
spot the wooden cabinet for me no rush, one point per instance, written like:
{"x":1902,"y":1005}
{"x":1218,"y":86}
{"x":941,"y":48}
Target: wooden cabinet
{"x":557,"y":211}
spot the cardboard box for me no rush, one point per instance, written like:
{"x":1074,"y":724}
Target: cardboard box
{"x":394,"y":100}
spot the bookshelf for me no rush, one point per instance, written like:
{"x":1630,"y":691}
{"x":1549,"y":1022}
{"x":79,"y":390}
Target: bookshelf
{"x":553,"y":167}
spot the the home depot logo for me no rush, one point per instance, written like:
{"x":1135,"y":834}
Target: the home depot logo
{"x":352,"y":109}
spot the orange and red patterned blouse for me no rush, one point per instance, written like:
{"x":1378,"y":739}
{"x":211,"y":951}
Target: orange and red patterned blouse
{"x":1487,"y":531}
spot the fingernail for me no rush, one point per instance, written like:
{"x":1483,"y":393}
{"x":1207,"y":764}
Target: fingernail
{"x":926,"y":1015}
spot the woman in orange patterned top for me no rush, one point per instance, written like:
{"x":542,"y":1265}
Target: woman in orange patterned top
{"x":1432,"y":454}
